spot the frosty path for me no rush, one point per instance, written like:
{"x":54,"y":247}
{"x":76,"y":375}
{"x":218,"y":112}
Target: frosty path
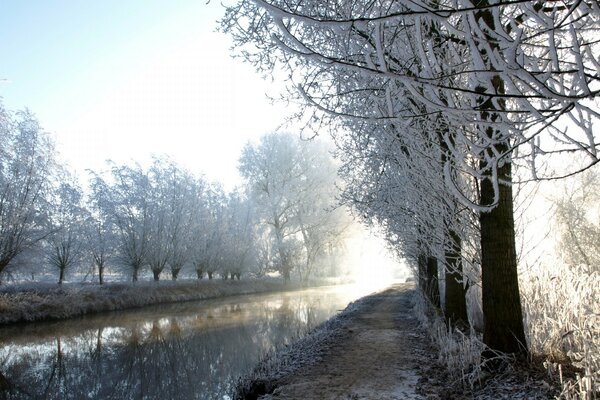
{"x":377,"y":356}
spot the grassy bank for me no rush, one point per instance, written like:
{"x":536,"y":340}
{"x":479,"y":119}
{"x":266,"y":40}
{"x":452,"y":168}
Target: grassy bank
{"x":36,"y":302}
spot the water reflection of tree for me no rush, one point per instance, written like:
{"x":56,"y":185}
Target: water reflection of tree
{"x":10,"y":390}
{"x":56,"y":382}
{"x":192,"y":356}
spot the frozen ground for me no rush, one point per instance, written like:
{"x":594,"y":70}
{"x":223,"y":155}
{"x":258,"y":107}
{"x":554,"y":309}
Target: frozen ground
{"x":370,"y":351}
{"x":375,"y":349}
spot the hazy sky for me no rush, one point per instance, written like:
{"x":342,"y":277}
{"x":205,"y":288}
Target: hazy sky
{"x":125,"y":79}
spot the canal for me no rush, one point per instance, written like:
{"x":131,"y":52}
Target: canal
{"x":192,"y":350}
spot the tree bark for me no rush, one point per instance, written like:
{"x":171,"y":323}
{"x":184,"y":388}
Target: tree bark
{"x":501,"y":299}
{"x":61,"y":276}
{"x":175,"y":273}
{"x":433,"y":287}
{"x":101,"y":274}
{"x":422,"y":272}
{"x":503,"y":330}
{"x":455,"y":295}
{"x":428,"y":280}
{"x":156,"y":274}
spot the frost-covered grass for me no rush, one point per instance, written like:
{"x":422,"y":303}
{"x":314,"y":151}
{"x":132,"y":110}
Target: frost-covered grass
{"x":459,"y":352}
{"x":471,"y":375}
{"x":562,"y":315}
{"x":41,"y":301}
{"x":561,"y":308}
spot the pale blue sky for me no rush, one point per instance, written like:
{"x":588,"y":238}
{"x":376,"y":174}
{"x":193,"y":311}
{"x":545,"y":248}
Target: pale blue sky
{"x":124,"y":79}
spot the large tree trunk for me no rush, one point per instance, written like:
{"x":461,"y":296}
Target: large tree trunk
{"x":455,"y":295}
{"x":503,"y":329}
{"x":199,"y":273}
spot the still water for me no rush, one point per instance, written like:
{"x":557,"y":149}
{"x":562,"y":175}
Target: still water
{"x":193,"y":350}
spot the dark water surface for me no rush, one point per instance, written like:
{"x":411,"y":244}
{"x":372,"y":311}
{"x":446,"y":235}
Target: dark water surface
{"x":193,"y":350}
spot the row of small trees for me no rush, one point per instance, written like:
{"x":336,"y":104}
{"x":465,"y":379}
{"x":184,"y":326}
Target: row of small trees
{"x":438,"y":107}
{"x":162,"y":218}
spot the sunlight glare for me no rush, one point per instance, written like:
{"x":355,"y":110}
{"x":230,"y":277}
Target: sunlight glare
{"x":373,"y":266}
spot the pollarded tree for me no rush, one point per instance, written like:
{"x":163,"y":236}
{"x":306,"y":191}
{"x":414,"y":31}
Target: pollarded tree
{"x":169,"y":215}
{"x":240,"y":238}
{"x":208,"y":230}
{"x":27,"y":167}
{"x":184,"y":198}
{"x":510,"y":71}
{"x":100,"y":239}
{"x":123,"y":196}
{"x":65,"y":243}
{"x":202,"y":223}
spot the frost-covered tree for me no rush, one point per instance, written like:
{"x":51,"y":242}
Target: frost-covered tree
{"x":292,"y":184}
{"x":201,"y":224}
{"x":578,"y":218}
{"x":180,"y":207}
{"x":159,"y":218}
{"x":208,"y":229}
{"x":170,"y":188}
{"x":320,"y":219}
{"x":27,"y":167}
{"x":240,"y":239}
{"x":100,"y":239}
{"x":67,"y":219}
{"x":508,"y":75}
{"x":123,"y":196}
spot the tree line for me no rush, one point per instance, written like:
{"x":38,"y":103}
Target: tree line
{"x":134,"y":221}
{"x":438,"y":109}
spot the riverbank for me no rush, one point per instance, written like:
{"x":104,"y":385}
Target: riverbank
{"x":375,"y":349}
{"x":37,"y":302}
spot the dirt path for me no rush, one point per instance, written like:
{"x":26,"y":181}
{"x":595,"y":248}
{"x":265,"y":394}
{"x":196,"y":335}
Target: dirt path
{"x":378,"y":356}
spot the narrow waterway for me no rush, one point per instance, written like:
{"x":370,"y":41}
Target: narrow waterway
{"x":193,"y":350}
